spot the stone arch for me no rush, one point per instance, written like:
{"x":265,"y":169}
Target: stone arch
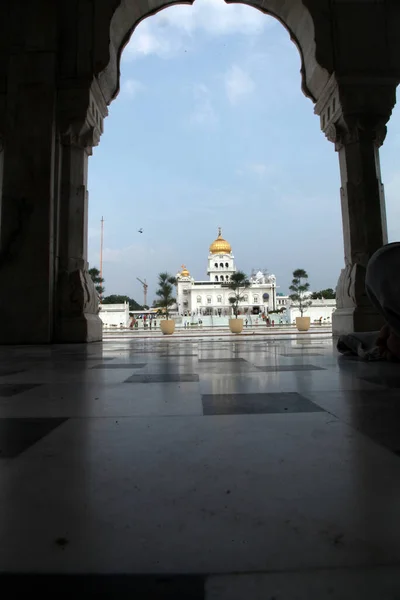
{"x":292,"y":14}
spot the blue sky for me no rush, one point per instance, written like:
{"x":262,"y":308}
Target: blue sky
{"x":211,"y":129}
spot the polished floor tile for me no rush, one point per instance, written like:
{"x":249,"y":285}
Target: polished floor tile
{"x":120,"y":366}
{"x":292,"y":355}
{"x":16,"y":435}
{"x":13,"y":389}
{"x":379,"y":583}
{"x":248,"y":404}
{"x":389,"y":381}
{"x":9,"y":371}
{"x":290,"y":368}
{"x":256,"y":467}
{"x":189,"y":495}
{"x":222,"y":360}
{"x":161,"y":378}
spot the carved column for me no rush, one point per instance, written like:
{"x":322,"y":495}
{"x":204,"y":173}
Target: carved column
{"x":77,"y":317}
{"x":27,"y":202}
{"x":353,"y":116}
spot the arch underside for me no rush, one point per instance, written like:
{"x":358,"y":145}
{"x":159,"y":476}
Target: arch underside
{"x":293,"y":15}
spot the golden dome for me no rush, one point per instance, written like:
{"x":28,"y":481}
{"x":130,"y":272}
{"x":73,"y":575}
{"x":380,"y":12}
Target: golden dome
{"x":220,"y":246}
{"x":184,"y":272}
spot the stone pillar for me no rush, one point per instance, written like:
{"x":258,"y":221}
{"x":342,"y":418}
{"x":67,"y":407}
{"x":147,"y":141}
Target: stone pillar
{"x":354,"y":116}
{"x":27,"y":201}
{"x":77,"y":318}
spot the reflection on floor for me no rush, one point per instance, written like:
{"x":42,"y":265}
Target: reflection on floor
{"x":200,"y":468}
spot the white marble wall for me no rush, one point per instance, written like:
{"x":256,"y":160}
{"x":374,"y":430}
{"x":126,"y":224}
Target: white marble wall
{"x":114,"y":314}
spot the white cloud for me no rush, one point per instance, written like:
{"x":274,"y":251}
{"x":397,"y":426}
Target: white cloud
{"x":203,"y":111}
{"x":258,"y":169}
{"x":147,"y":40}
{"x":168,"y":31}
{"x":238,"y":84}
{"x":132,"y":87}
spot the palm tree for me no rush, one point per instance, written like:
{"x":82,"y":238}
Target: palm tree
{"x":238,"y":284}
{"x":97,"y":280}
{"x":300,"y":287}
{"x":165,"y":291}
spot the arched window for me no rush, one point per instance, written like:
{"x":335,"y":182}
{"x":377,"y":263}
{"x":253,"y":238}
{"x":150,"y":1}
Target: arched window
{"x":255,"y":299}
{"x":216,"y":265}
{"x":221,"y":265}
{"x":219,"y":298}
{"x":245,"y":298}
{"x":227,"y":265}
{"x":227,"y":278}
{"x":216,"y":278}
{"x":199,"y":299}
{"x":208,"y":299}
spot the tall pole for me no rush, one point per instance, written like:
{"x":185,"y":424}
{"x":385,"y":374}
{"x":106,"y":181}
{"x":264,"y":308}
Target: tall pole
{"x":101,"y":251}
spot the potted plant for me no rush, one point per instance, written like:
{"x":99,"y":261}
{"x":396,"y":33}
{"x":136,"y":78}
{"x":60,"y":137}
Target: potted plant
{"x":165,"y":301}
{"x":300,"y":297}
{"x":238,"y":284}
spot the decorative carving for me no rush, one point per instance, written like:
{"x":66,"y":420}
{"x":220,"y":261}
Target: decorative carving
{"x":81,"y":113}
{"x":350,"y":290}
{"x":78,"y":295}
{"x":354,"y":110}
{"x":81,"y":134}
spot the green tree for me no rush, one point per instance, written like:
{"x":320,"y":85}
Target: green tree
{"x":118,"y":299}
{"x":238,"y":284}
{"x":97,"y":280}
{"x":328,"y":294}
{"x":300,"y":288}
{"x":165,"y":292}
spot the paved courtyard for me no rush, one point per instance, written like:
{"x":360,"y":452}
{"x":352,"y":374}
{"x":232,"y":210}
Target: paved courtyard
{"x":221,"y":468}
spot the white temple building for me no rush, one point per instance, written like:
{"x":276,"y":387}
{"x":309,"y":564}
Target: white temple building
{"x":211,"y":297}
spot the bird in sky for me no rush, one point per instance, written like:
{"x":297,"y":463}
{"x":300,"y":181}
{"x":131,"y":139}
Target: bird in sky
{"x":140,"y":230}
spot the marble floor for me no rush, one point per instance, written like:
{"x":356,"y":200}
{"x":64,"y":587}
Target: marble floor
{"x":204,"y":468}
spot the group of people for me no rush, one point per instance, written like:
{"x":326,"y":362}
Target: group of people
{"x":147,"y":323}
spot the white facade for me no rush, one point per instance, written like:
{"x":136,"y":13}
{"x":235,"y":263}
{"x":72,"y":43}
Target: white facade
{"x":115,"y":315}
{"x":211,"y":297}
{"x":319,"y":311}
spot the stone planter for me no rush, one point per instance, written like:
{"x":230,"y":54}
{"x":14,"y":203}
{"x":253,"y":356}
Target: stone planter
{"x":236,"y":325}
{"x":303,"y":323}
{"x":167,"y":326}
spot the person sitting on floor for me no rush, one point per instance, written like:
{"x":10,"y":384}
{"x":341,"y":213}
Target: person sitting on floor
{"x":383,"y":289}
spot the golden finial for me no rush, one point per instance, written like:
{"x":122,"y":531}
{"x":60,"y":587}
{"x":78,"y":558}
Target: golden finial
{"x":220,"y":246}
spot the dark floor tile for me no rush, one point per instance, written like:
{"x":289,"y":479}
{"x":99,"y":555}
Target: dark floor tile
{"x":89,"y":358}
{"x":291,"y":355}
{"x":162,"y":378}
{"x":169,"y":354}
{"x":244,"y":404}
{"x":12,"y":389}
{"x":221,"y":360}
{"x":389,"y":381}
{"x":140,"y":587}
{"x":120,"y":366}
{"x":16,"y":435}
{"x":309,"y":348}
{"x":10,"y":371}
{"x":277,"y":368}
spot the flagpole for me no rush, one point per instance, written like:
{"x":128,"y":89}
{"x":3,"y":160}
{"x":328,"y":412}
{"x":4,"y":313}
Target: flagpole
{"x":101,"y":251}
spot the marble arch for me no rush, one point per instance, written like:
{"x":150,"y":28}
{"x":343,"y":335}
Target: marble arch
{"x":59,"y":71}
{"x":293,"y":15}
